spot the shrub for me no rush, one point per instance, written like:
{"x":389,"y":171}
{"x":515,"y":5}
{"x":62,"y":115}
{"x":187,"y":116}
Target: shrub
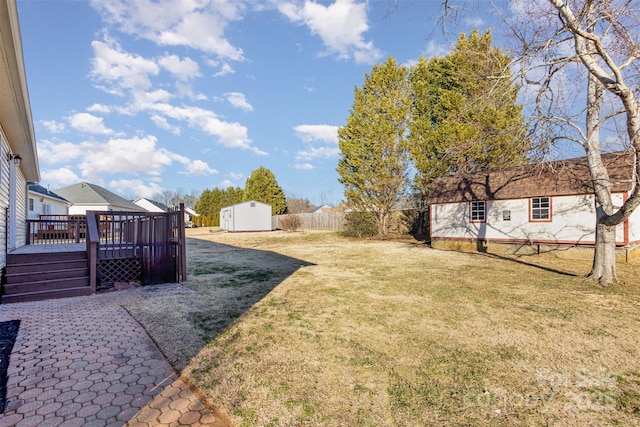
{"x":291,"y":223}
{"x":360,"y":224}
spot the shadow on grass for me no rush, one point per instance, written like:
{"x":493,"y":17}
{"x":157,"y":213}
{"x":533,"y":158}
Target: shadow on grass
{"x":509,"y":258}
{"x":226,"y":281}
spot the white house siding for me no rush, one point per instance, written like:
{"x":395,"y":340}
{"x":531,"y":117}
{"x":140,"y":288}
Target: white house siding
{"x":4,"y":196}
{"x":40,"y":201}
{"x":634,"y":227}
{"x":21,"y":209}
{"x":572,"y":221}
{"x":18,"y":209}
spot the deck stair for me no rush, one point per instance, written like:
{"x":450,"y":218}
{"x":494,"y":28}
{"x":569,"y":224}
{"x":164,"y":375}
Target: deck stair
{"x":41,"y":276}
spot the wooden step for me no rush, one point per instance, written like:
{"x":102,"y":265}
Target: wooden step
{"x":39,"y":296}
{"x":41,"y":276}
{"x":12,"y":277}
{"x":45,"y":285}
{"x":45,"y":266}
{"x":33,"y":258}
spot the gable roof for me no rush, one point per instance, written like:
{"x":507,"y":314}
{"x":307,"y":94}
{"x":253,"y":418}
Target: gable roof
{"x":85,"y":193}
{"x":39,"y":189}
{"x":159,"y":205}
{"x":559,"y":178}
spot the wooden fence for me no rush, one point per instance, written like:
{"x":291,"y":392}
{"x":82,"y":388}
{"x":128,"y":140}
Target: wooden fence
{"x":315,"y":221}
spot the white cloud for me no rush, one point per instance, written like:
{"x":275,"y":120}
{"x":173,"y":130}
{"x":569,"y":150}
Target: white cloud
{"x":53,"y":126}
{"x":184,"y":69}
{"x":162,"y":123}
{"x":436,"y":49}
{"x":318,"y":153}
{"x":99,"y":108}
{"x":50,"y":152}
{"x":199,"y":168}
{"x":119,"y":69}
{"x":224,"y":70}
{"x":230,"y":134}
{"x":310,"y":133}
{"x":59,"y":177}
{"x":135,"y":187}
{"x":340,"y":25}
{"x":238,"y":100}
{"x":474,"y":21}
{"x":88,"y":123}
{"x":198,"y":24}
{"x":226,"y":183}
{"x":303,"y":166}
{"x":235,"y":176}
{"x":123,"y":155}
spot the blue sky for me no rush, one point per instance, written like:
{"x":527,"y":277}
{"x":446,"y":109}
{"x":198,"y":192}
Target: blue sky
{"x":143,"y":96}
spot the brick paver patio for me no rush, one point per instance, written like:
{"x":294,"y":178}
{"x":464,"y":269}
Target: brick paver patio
{"x":85,"y":361}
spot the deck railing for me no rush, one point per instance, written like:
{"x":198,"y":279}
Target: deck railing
{"x":153,"y":244}
{"x":55,"y":229}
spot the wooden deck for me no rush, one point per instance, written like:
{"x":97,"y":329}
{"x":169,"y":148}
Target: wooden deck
{"x":52,"y":248}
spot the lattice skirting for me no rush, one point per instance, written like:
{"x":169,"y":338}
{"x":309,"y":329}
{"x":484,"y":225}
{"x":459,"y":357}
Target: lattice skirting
{"x":118,"y":270}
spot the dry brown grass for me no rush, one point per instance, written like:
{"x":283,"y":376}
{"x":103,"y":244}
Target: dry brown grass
{"x":315,"y":329}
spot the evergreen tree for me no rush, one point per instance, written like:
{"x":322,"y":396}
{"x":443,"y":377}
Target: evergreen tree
{"x":464,"y":115}
{"x":263,"y":187}
{"x":373,"y":152}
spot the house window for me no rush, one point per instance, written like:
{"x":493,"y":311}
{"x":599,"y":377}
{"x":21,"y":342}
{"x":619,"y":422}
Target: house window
{"x":30,"y":204}
{"x":478,"y":213}
{"x":540,"y":208}
{"x":253,"y":205}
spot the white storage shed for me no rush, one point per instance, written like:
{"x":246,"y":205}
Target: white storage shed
{"x":246,"y":216}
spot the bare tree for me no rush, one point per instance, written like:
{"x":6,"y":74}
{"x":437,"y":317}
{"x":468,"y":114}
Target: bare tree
{"x":594,"y":43}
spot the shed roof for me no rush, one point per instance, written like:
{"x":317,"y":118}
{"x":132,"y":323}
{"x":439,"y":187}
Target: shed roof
{"x":85,"y":193}
{"x":558,"y":178}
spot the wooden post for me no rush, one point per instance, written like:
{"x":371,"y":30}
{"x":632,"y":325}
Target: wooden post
{"x":92,"y":240}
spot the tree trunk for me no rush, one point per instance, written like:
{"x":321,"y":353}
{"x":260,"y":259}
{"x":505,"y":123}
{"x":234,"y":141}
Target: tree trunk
{"x":604,"y":259}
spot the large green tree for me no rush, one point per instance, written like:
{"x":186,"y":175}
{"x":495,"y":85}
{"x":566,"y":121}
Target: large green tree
{"x":373,"y":151}
{"x":465,"y":115}
{"x":262,"y":186}
{"x":211,"y":201}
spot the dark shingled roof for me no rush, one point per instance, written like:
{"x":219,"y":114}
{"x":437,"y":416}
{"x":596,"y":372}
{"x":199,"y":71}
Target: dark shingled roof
{"x":559,"y":178}
{"x":45,"y":192}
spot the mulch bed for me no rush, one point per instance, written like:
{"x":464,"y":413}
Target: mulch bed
{"x":8,"y":334}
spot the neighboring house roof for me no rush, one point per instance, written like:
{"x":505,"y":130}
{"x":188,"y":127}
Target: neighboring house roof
{"x":191,"y":212}
{"x":39,"y":189}
{"x":15,"y":110}
{"x":310,"y":209}
{"x":558,"y":178}
{"x":85,"y":193}
{"x":159,"y":205}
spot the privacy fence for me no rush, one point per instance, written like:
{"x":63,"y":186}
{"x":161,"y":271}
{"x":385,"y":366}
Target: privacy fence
{"x":315,"y":221}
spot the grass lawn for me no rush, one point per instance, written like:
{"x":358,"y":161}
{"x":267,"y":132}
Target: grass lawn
{"x":313,"y":329}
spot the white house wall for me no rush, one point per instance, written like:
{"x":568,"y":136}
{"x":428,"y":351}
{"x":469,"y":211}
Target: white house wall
{"x":572,"y":221}
{"x":634,"y":226}
{"x":82,"y":209}
{"x":4,"y":197}
{"x":21,"y":208}
{"x":56,"y":206}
